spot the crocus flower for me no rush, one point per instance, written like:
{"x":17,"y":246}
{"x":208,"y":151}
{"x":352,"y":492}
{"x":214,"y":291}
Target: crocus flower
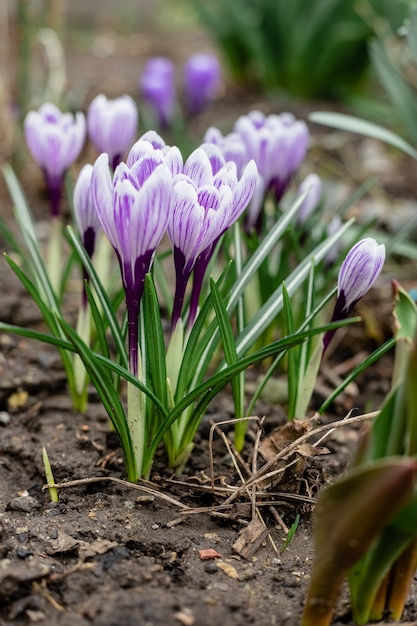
{"x":55,"y":140}
{"x":312,"y":184}
{"x":231,"y":146}
{"x":202,"y":76}
{"x":358,"y":273}
{"x":86,"y":216}
{"x":208,"y":198}
{"x":112,"y":125}
{"x":158,"y":89}
{"x":278,"y":144}
{"x":134,"y":209}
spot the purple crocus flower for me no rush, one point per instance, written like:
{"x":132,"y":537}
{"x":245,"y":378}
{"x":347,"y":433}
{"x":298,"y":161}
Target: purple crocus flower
{"x":55,"y":140}
{"x":312,"y":184}
{"x":358,"y":273}
{"x":208,"y":198}
{"x":202,"y":76}
{"x":86,"y":217}
{"x":278,"y":144}
{"x":112,"y":125}
{"x":232,"y":146}
{"x":158,"y":89}
{"x":134,"y":209}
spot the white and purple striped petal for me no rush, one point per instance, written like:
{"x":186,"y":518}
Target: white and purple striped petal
{"x":54,"y":139}
{"x":359,"y":271}
{"x":86,"y":217}
{"x":112,"y":125}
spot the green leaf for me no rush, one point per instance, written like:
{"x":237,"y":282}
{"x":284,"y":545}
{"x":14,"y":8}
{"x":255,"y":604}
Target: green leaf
{"x":108,"y":395}
{"x":108,"y":312}
{"x":402,"y":97}
{"x":49,"y":316}
{"x":228,"y":344}
{"x":27,"y":229}
{"x":293,"y":355}
{"x":404,"y":327}
{"x":155,"y":347}
{"x":273,"y":305}
{"x":362,"y":127}
{"x":350,"y":514}
{"x":213,"y":385}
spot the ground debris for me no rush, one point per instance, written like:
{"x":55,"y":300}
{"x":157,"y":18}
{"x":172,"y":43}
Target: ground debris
{"x":250,"y":538}
{"x":208,"y":553}
{"x":228,"y":569}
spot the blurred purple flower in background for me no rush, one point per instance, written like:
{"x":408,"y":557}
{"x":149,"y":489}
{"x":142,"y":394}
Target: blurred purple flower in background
{"x":359,"y":271}
{"x":202,"y":77}
{"x":55,"y":140}
{"x":134,"y":209}
{"x":313,"y":185}
{"x":158,"y":89}
{"x":208,"y":198}
{"x":231,"y":146}
{"x":112,"y":125}
{"x":278,"y":144}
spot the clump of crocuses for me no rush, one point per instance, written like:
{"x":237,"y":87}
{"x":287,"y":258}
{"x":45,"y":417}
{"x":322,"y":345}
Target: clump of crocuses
{"x":277,"y":144}
{"x":112,"y":125}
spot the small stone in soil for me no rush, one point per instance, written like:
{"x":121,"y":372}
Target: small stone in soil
{"x":23,"y":553}
{"x":4,"y":418}
{"x":211,"y":567}
{"x":23,"y":503}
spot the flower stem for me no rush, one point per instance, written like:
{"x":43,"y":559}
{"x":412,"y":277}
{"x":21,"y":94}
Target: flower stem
{"x":55,"y":253}
{"x":136,"y":422}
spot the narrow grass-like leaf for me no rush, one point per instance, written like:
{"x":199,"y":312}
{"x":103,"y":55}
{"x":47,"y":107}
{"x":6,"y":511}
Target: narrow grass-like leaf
{"x":229,"y":347}
{"x":49,"y":317}
{"x":402,"y":97}
{"x":98,"y":322}
{"x":108,"y":312}
{"x":27,"y":228}
{"x":273,"y":305}
{"x":162,"y":282}
{"x":292,"y":358}
{"x":108,"y":395}
{"x":195,"y":349}
{"x":155,"y":347}
{"x":362,"y":127}
{"x":240,"y":426}
{"x":215,"y":383}
{"x":10,"y":239}
{"x":306,"y":324}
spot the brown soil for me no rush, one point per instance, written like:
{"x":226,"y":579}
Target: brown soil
{"x":109,"y":554}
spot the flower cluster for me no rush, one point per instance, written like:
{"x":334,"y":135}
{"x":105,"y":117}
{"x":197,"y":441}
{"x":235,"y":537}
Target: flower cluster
{"x":193,"y":200}
{"x":277,"y":144}
{"x":200,"y":84}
